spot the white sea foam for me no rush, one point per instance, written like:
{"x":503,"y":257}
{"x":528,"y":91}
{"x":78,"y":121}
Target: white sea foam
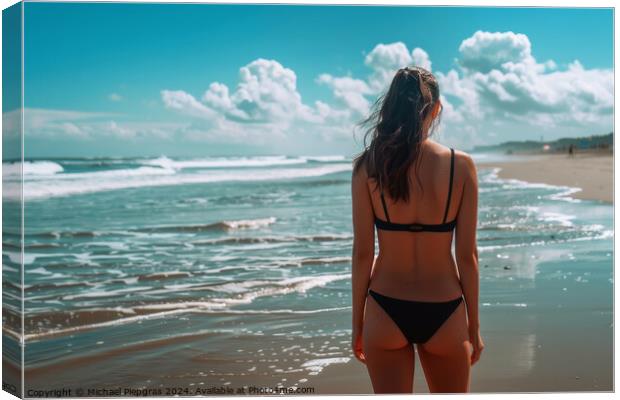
{"x":562,"y":219}
{"x":139,"y":172}
{"x":92,"y":182}
{"x":498,"y":304}
{"x":278,"y":311}
{"x":106,"y":292}
{"x":250,"y":223}
{"x":506,"y":183}
{"x":165,"y":310}
{"x":325,"y":158}
{"x":231,"y":162}
{"x":316,"y":366}
{"x":228,"y":162}
{"x":15,"y":257}
{"x":45,"y":168}
{"x":566,"y":195}
{"x":605,"y":234}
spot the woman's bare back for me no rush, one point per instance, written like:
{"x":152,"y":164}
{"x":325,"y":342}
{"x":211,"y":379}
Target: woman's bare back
{"x":420,"y":265}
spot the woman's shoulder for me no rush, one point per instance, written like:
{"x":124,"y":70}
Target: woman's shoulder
{"x":462,"y":159}
{"x":360,"y":167}
{"x":462,"y":156}
{"x":465,"y":165}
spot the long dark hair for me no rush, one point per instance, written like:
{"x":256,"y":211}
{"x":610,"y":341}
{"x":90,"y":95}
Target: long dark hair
{"x":395,"y":127}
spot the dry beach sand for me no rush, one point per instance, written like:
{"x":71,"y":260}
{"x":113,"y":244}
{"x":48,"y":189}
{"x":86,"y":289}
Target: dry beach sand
{"x":592,"y":171}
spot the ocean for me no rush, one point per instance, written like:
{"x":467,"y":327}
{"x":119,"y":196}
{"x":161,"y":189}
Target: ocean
{"x":230,"y":271}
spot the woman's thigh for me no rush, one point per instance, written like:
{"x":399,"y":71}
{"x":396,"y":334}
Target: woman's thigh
{"x":390,"y":359}
{"x":445,"y":357}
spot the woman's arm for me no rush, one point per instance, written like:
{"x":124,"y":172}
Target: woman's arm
{"x":466,"y":249}
{"x":363,"y":244}
{"x":467,"y":252}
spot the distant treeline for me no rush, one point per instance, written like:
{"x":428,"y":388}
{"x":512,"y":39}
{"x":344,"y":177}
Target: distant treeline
{"x":558,"y":145}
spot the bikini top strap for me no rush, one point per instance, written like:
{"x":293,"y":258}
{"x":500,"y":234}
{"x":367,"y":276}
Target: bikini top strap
{"x":450,"y":187}
{"x":387,"y":216}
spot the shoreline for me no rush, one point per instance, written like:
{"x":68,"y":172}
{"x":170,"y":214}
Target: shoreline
{"x":592,"y":172}
{"x":282,"y":295}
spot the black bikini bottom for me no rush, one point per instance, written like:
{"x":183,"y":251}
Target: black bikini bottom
{"x":417,"y":320}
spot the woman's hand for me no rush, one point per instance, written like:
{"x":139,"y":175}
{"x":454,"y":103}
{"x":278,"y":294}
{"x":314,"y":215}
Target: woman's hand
{"x":357,"y":346}
{"x":477,"y":344}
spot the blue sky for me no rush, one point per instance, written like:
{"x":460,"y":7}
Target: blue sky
{"x":151,"y":79}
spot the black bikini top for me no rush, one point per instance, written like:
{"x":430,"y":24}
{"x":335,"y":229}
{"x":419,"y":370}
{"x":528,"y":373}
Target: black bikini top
{"x":443,"y":227}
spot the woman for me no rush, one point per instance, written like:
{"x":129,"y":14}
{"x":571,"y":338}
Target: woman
{"x":414,"y":294}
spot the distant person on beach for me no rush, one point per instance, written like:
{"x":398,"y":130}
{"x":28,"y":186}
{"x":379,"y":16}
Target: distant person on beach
{"x":416,"y":192}
{"x":571,"y":150}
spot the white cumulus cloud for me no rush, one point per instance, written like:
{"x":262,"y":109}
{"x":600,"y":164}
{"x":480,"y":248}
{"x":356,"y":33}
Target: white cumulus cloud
{"x":500,"y":79}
